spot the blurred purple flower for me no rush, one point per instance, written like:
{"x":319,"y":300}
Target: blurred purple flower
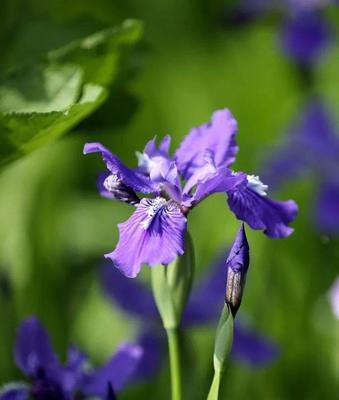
{"x":51,"y":380}
{"x":333,"y":296}
{"x":155,"y":232}
{"x":311,"y":149}
{"x":304,"y":37}
{"x":304,"y":33}
{"x":206,"y":301}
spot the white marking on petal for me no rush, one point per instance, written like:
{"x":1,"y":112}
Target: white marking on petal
{"x":145,"y":163}
{"x":111,"y":182}
{"x":254,"y":183}
{"x":154,"y":206}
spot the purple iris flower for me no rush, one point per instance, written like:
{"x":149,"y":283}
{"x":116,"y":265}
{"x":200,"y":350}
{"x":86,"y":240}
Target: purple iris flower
{"x":155,"y":232}
{"x":203,"y":308}
{"x":311,"y":149}
{"x":76,"y":379}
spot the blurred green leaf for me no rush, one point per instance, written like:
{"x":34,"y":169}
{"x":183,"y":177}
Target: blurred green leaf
{"x":42,"y":105}
{"x":39,"y":103}
{"x":99,"y":54}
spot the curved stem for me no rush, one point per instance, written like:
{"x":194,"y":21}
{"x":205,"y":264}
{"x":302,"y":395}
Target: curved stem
{"x":174,"y":356}
{"x":215,"y":387}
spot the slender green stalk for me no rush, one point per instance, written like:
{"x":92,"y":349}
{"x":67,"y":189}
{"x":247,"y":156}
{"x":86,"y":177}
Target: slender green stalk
{"x":215,"y":387}
{"x":174,"y":356}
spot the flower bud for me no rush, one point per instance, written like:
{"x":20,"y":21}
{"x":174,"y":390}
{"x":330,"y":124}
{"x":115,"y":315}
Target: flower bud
{"x":237,"y":265}
{"x":114,"y":185}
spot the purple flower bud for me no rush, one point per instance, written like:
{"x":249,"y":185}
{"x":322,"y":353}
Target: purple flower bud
{"x":237,"y":265}
{"x":114,"y":185}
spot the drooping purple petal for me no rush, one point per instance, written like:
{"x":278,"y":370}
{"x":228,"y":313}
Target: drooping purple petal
{"x":304,"y":37}
{"x":327,"y":207}
{"x":251,"y":347}
{"x":118,"y":370}
{"x":154,"y":350}
{"x":33,"y":351}
{"x":222,"y":181}
{"x":260,"y":212}
{"x":154,"y":234}
{"x":14,"y":391}
{"x":131,"y":178}
{"x":217,"y":136}
{"x":130,"y":295}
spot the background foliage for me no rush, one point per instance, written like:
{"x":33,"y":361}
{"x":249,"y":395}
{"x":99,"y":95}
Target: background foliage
{"x":75,"y":71}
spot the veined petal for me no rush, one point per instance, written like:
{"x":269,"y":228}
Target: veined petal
{"x":131,"y":178}
{"x":130,"y":295}
{"x":33,"y":351}
{"x":217,"y":136}
{"x":262,"y":213}
{"x":154,"y":234}
{"x":118,"y":370}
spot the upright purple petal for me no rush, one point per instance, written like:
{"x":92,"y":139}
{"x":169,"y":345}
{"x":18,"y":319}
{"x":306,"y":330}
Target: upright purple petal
{"x":33,"y":351}
{"x":154,"y":234}
{"x":327,"y":207}
{"x":131,"y":178}
{"x":157,"y":163}
{"x":118,"y":370}
{"x":250,"y":204}
{"x":14,"y":391}
{"x":217,"y":136}
{"x":131,"y":296}
{"x":305,"y":36}
{"x":252,"y":348}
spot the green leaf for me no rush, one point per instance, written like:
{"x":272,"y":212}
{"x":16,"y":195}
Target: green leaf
{"x":37,"y":110}
{"x":39,"y":103}
{"x":41,"y":89}
{"x":100,"y":53}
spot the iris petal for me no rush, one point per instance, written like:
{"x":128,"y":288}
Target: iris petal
{"x":218,"y":137}
{"x":262,"y":213}
{"x":154,"y":234}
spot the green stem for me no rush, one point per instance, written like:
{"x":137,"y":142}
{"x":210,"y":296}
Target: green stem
{"x":174,"y":355}
{"x":215,"y":387}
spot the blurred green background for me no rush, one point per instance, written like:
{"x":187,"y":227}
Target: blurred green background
{"x":76,"y":68}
